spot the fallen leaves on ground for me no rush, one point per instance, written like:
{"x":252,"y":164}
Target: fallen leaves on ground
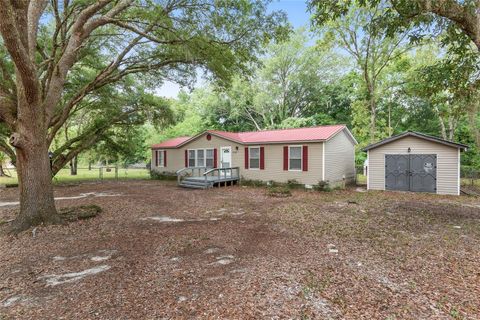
{"x":159,"y":251}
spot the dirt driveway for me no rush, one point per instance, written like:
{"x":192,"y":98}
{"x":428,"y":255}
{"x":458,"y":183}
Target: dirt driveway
{"x":158,"y":251}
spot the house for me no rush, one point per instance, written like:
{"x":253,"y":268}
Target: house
{"x":414,"y":161}
{"x":307,"y":155}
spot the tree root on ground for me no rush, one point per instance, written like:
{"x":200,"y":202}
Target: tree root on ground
{"x":72,"y":214}
{"x":64,"y":216}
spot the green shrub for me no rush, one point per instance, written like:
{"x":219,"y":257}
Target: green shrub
{"x":322,"y":186}
{"x":252,"y":183}
{"x":279,"y":191}
{"x":293,"y":184}
{"x":155,"y":175}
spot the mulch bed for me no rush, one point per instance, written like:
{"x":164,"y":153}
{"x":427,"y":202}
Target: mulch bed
{"x":158,"y":251}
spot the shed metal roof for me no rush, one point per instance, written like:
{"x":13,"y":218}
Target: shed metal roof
{"x":460,"y":146}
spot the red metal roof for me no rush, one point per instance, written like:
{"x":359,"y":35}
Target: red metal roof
{"x":266,"y":136}
{"x":172,"y":143}
{"x":282,"y":135}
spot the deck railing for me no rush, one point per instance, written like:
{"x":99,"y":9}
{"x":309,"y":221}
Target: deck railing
{"x":190,"y":172}
{"x":210,"y":175}
{"x":223,"y":173}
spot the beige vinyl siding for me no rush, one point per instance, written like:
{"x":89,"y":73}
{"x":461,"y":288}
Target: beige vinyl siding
{"x":273,"y":160}
{"x":447,"y":162}
{"x":274,"y":165}
{"x":176,"y":157}
{"x":340,"y":158}
{"x":175,"y":161}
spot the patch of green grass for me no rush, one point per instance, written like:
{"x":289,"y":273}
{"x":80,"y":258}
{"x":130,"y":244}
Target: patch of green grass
{"x":470,"y":182}
{"x":454,"y":313}
{"x":63,"y":176}
{"x":361,"y":179}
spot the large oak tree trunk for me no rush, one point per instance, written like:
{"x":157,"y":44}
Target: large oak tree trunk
{"x":37,"y":205}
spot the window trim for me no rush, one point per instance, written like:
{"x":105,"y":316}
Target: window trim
{"x":250,"y":158}
{"x":195,"y":158}
{"x":160,"y":160}
{"x":301,"y":158}
{"x":212,"y":158}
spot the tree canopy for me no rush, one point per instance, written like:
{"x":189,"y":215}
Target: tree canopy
{"x":98,"y":62}
{"x":80,"y":78}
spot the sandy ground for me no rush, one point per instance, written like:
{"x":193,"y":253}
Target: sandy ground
{"x":158,"y":251}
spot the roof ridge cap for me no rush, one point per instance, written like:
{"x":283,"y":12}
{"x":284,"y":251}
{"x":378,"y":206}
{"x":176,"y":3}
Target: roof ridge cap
{"x":310,"y":127}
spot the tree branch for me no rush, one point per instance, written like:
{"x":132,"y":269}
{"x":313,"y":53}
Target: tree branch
{"x":17,"y":50}
{"x":85,"y":141}
{"x":84,"y":25}
{"x":35,"y":11}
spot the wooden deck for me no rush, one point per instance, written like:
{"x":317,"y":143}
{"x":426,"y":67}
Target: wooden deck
{"x":203,"y":178}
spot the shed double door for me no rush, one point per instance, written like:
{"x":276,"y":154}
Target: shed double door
{"x":411,"y":172}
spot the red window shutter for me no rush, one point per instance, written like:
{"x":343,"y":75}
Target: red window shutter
{"x":164,"y":158}
{"x":246,"y":157}
{"x":285,"y":158}
{"x":186,"y":158}
{"x":156,"y":158}
{"x":305,"y":158}
{"x":262,"y":158}
{"x":215,"y":158}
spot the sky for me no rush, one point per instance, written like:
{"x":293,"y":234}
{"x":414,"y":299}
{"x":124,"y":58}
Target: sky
{"x":297,"y":15}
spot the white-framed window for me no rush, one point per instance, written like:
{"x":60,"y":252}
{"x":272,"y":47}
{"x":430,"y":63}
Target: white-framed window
{"x":191,"y":158}
{"x":160,"y":158}
{"x":209,"y":158}
{"x":254,"y":157}
{"x":201,"y":158}
{"x":295,"y":158}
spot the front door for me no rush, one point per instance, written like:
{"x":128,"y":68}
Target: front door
{"x":226,"y":157}
{"x":411,"y":172}
{"x":226,"y":160}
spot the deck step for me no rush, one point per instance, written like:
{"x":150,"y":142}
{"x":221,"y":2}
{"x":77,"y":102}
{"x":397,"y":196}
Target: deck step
{"x":197,"y":183}
{"x":194,"y":184}
{"x":194,"y":180}
{"x":191,"y":186}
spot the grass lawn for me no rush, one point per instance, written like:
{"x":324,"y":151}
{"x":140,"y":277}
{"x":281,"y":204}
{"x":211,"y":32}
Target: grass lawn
{"x":361,"y":179}
{"x":158,"y":251}
{"x":471,"y":182}
{"x":87,"y":175}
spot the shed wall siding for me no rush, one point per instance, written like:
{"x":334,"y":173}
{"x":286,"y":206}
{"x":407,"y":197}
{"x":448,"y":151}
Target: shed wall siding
{"x":273,"y":160}
{"x":447,"y":162}
{"x":339,"y":158}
